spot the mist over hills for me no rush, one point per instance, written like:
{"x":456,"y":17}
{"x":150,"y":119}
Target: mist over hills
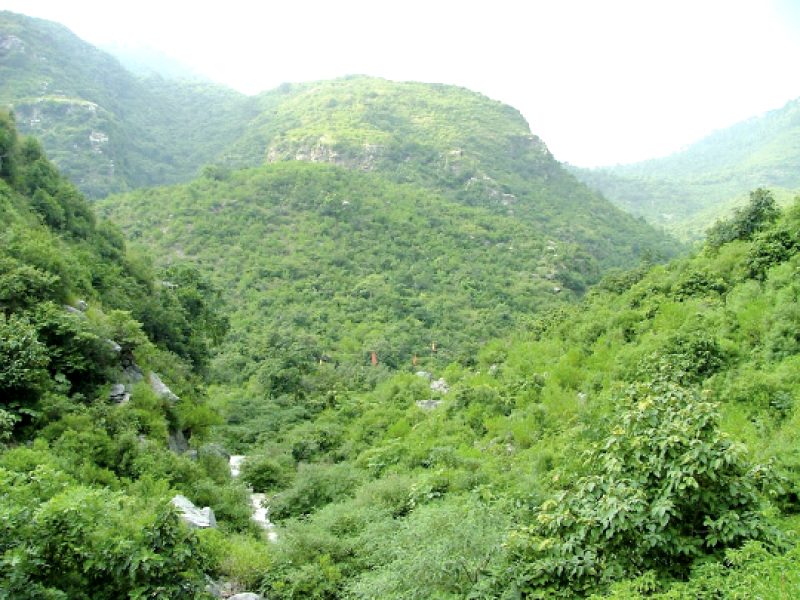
{"x":688,"y":190}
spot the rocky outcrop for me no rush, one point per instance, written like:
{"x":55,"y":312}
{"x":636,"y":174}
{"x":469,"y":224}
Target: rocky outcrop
{"x":428,"y":404}
{"x":322,"y":150}
{"x":177,"y":442}
{"x":74,"y":311}
{"x":118,"y":394}
{"x":160,"y":388}
{"x":196,"y":517}
{"x":230,"y":589}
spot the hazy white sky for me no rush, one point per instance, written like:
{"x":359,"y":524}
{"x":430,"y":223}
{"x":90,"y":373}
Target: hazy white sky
{"x":601,"y":81}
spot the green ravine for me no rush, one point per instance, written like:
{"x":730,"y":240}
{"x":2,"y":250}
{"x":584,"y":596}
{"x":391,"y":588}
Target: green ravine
{"x":456,"y":372}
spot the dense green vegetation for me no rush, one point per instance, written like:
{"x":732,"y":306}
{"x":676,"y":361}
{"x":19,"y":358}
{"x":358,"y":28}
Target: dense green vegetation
{"x":346,"y":263}
{"x":106,"y":129}
{"x":639,"y":444}
{"x":455,"y":371}
{"x":85,"y":482}
{"x":689,"y":190}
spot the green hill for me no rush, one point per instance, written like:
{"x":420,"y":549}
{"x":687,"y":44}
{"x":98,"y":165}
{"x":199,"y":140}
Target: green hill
{"x":442,"y":221}
{"x":687,"y":191}
{"x":106,"y":129}
{"x":641,"y":444}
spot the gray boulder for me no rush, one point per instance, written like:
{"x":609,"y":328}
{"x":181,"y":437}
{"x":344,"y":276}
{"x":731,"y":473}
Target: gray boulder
{"x":115,"y":347}
{"x":118,"y":395}
{"x":74,"y":311}
{"x":132,"y":373}
{"x":246,"y":596}
{"x":160,"y":388}
{"x":196,"y":517}
{"x":440,"y":385}
{"x":428,"y":404}
{"x":177,"y":442}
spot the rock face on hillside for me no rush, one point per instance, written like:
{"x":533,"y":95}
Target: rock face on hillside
{"x":363,"y":157}
{"x":160,"y":388}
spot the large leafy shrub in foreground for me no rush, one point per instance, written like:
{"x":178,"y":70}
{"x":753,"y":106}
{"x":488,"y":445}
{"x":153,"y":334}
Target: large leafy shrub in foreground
{"x":666,"y":487}
{"x":65,"y":540}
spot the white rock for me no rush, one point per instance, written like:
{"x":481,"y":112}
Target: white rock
{"x":440,"y":385}
{"x":160,"y":388}
{"x":196,"y":517}
{"x":428,"y":404}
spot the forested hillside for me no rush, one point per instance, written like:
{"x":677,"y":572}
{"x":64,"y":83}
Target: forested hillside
{"x":688,"y":190}
{"x":638,"y":444}
{"x":641,"y":444}
{"x":86,"y":331}
{"x":466,"y":147}
{"x":106,"y":129}
{"x":401,"y":244}
{"x":454,"y":370}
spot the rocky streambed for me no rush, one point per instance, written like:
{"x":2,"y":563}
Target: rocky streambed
{"x":258,"y":501}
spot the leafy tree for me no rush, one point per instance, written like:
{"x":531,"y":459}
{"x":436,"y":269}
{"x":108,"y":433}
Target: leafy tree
{"x":23,"y":360}
{"x":8,"y":149}
{"x":666,"y":487}
{"x":760,"y":212}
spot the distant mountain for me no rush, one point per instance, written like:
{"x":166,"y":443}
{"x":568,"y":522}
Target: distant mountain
{"x":686,"y":191}
{"x":105,"y":128}
{"x":144,"y":60}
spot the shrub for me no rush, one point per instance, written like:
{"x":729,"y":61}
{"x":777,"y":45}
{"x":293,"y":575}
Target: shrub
{"x":314,"y":486}
{"x":667,"y":488}
{"x":264,"y":473}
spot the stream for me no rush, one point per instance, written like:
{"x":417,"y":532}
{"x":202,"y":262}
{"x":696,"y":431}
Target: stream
{"x":258,"y":502}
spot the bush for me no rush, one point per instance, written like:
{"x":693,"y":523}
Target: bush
{"x":263,"y":473}
{"x":667,"y":488}
{"x":62,"y":540}
{"x":315,"y":486}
